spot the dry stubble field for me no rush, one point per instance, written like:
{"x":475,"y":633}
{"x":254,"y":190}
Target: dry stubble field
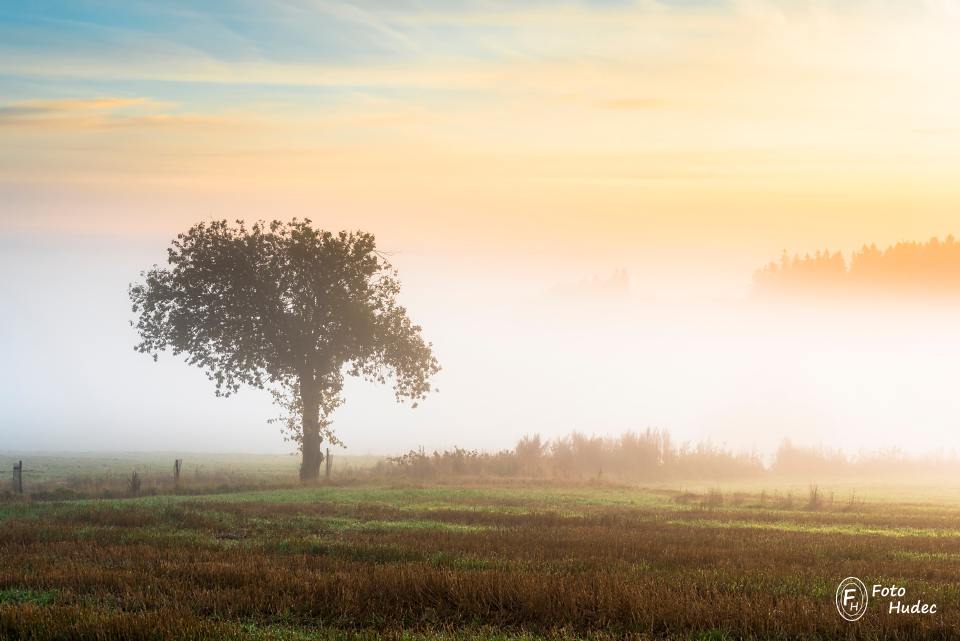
{"x":473,"y":561}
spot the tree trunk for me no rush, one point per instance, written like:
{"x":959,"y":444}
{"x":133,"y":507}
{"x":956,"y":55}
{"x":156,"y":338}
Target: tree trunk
{"x":310,"y":399}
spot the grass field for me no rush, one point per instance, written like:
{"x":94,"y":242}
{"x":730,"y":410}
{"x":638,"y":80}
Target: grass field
{"x":472,"y":561}
{"x":85,"y":472}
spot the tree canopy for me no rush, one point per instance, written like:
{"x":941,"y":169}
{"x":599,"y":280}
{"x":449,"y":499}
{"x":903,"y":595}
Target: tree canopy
{"x":288,"y":307}
{"x":931,"y":268}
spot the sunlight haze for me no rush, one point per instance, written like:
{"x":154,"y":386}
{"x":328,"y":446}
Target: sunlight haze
{"x":511,"y":159}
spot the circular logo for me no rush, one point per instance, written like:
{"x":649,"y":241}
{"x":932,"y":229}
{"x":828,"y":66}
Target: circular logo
{"x":851,"y":598}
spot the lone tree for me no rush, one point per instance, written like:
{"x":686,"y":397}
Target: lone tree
{"x":288,"y":307}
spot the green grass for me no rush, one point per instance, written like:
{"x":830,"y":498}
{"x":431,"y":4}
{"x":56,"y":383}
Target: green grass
{"x":25,"y":595}
{"x":508,"y":561}
{"x":852,"y":529}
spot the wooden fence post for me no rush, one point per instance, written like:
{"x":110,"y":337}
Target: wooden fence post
{"x":135,"y":482}
{"x":18,"y":477}
{"x":177,"y":463}
{"x":328,"y":464}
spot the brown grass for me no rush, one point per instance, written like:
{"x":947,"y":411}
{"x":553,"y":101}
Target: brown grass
{"x":206,"y":569}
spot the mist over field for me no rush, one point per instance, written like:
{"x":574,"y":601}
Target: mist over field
{"x":542,"y":348}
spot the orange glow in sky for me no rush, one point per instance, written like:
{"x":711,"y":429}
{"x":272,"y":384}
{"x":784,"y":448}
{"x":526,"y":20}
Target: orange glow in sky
{"x":714,"y":125}
{"x":499,"y":151}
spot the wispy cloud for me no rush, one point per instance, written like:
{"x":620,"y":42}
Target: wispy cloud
{"x":106,"y":113}
{"x":597,"y":104}
{"x":53,"y":107}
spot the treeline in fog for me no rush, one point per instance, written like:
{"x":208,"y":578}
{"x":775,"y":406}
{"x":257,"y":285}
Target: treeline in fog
{"x":816,"y":463}
{"x":905,"y":268}
{"x":648,"y":455}
{"x":652,"y":455}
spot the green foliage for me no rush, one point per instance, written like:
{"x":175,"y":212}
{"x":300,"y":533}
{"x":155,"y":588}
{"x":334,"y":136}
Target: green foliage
{"x":21,"y":595}
{"x":285,"y":306}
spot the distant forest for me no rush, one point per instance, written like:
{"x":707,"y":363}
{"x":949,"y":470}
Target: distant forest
{"x":931,"y":268}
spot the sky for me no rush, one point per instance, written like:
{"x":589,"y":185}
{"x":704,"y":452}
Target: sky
{"x":502,"y":152}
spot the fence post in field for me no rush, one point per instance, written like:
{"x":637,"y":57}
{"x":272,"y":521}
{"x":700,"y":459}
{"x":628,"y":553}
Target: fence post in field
{"x":177,"y":463}
{"x":18,"y":477}
{"x":135,"y":482}
{"x":328,"y":464}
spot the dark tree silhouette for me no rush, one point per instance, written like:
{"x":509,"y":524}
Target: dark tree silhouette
{"x":907,"y":268}
{"x":288,"y":307}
